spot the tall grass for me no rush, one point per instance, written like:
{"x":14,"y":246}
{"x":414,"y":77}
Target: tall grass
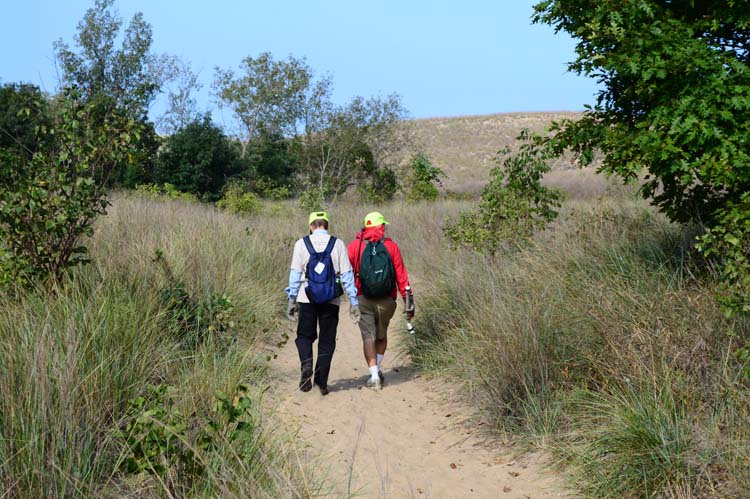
{"x":600,"y":341}
{"x":71,"y":359}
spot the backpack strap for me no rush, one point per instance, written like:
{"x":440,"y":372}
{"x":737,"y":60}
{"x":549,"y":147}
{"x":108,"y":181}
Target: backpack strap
{"x":359,"y":253}
{"x":309,"y":245}
{"x":329,"y":248}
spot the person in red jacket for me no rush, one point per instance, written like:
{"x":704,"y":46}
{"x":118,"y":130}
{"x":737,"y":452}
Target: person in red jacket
{"x":379,"y":274}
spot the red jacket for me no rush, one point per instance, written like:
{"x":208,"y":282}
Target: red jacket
{"x":358,"y":246}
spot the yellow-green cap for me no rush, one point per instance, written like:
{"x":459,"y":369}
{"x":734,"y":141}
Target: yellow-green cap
{"x":317,"y":215}
{"x":374,"y":219}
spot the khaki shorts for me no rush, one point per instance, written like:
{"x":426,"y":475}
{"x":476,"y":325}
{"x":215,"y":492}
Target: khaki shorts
{"x":376,"y":315}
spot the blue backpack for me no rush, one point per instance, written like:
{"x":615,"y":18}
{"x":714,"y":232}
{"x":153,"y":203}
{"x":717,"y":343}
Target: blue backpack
{"x":321,"y":276}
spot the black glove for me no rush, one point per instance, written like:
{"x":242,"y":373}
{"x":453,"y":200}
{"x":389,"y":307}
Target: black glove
{"x":292,"y":309}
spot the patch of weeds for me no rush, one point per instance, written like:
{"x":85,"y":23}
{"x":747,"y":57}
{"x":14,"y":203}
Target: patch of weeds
{"x":194,"y":319}
{"x":159,"y":439}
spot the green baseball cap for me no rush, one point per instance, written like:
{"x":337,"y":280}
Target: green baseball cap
{"x":317,"y":215}
{"x":374,"y":219}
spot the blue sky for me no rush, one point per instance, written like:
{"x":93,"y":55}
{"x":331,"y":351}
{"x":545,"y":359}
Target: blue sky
{"x":444,"y":58}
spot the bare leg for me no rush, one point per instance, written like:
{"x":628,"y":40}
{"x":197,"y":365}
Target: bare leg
{"x":369,"y":348}
{"x":381,"y":345}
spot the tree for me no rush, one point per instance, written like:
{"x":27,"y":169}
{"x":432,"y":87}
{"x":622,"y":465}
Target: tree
{"x":267,"y":96}
{"x":387,"y":132}
{"x":675,"y":96}
{"x":130,"y":76}
{"x":198,"y":159}
{"x":126,"y":79}
{"x":675,"y":103}
{"x":270,"y":162}
{"x":182,"y":108}
{"x":338,"y":150}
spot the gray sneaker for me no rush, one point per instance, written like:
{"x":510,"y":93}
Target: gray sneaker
{"x":374,"y":383}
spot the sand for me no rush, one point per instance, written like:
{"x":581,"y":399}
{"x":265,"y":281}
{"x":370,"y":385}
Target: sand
{"x":410,"y":439}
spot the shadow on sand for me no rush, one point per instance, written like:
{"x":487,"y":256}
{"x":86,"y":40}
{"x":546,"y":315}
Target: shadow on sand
{"x":393,"y":376}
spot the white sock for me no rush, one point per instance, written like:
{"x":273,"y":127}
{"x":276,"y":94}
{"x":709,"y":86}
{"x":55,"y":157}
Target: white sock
{"x":380,"y":362}
{"x":374,"y":372}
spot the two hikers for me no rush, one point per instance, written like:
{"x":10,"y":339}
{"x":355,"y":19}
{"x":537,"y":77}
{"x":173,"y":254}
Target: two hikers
{"x":379,"y":273}
{"x":371,"y":272}
{"x":320,"y":267}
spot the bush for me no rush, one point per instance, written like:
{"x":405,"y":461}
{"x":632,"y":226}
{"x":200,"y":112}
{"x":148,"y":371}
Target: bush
{"x":157,"y":438}
{"x":513,"y":205}
{"x":311,"y":200}
{"x":379,"y":185}
{"x":49,"y":202}
{"x":422,"y":178}
{"x":237,"y":200}
{"x":268,"y":188}
{"x":729,"y":242}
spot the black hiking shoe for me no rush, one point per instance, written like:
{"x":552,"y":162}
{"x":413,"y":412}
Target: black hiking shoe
{"x":305,"y":381}
{"x":382,"y":378}
{"x":323,"y":390}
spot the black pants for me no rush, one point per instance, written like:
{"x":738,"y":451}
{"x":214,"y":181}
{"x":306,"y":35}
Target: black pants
{"x":310,"y":317}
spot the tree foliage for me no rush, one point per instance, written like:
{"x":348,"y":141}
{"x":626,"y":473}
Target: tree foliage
{"x":266,"y":96}
{"x":337,"y":151}
{"x":270,"y":161}
{"x":182,"y":107}
{"x":129,"y":77}
{"x":198,"y":159}
{"x":675,"y":97}
{"x":23,"y":108}
{"x":674,"y":103}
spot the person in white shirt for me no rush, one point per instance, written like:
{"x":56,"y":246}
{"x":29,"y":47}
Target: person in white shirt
{"x":316,"y":319}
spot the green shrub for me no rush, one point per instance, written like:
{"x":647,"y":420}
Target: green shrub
{"x":48,"y":202}
{"x":513,"y":205}
{"x":421,"y":179}
{"x":311,"y":200}
{"x":379,"y":185}
{"x":729,"y":242}
{"x":198,"y":159}
{"x":237,"y":200}
{"x":268,"y":188}
{"x":157,"y":438}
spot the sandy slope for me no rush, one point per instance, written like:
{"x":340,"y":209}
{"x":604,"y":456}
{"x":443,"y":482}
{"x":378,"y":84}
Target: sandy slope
{"x":407,"y":440}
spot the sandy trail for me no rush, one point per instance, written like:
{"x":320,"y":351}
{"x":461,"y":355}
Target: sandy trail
{"x":407,"y":440}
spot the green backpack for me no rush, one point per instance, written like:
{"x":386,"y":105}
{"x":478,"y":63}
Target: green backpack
{"x":376,"y":272}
